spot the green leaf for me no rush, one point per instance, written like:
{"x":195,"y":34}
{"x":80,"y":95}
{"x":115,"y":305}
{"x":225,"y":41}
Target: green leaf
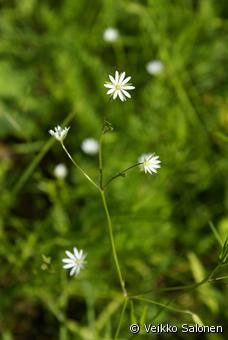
{"x":197,"y":319}
{"x":206,"y":292}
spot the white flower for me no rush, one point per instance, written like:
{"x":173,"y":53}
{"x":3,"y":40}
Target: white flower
{"x":150,"y":163}
{"x":90,"y":146}
{"x":154,"y":67}
{"x":118,"y":86}
{"x":60,"y":171}
{"x":75,"y":261}
{"x":110,"y":34}
{"x":59,"y":133}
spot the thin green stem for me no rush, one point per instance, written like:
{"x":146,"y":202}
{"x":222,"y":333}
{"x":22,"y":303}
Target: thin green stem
{"x":113,"y":243}
{"x":100,"y":161}
{"x":216,"y":234}
{"x":79,"y":168}
{"x":189,"y":287}
{"x":105,"y":208}
{"x":108,"y":216}
{"x":178,"y":310}
{"x":210,"y":277}
{"x":219,"y":278}
{"x":121,"y":173}
{"x":121,"y":318}
{"x":171,"y":289}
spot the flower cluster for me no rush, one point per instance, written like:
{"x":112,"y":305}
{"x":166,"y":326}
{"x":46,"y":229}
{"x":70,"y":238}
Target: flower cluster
{"x":149,"y":163}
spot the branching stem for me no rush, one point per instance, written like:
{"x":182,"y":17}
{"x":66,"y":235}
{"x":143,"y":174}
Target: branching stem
{"x":120,"y":174}
{"x":79,"y":168}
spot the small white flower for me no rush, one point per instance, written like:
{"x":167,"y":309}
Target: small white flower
{"x":75,"y":261}
{"x":110,"y":34}
{"x":90,"y":146}
{"x":150,"y":163}
{"x":59,"y":133}
{"x":60,"y":171}
{"x":154,"y":67}
{"x":119,"y":86}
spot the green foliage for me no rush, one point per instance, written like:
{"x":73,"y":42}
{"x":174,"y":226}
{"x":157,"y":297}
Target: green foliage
{"x":53,"y":64}
{"x":223,"y":257}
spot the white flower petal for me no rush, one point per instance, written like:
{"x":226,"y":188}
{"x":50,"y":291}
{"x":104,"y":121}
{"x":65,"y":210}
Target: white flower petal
{"x":76,"y":253}
{"x":68,"y":265}
{"x":128,"y":87}
{"x":116,"y":77}
{"x":110,"y":91}
{"x":121,"y":96}
{"x":73,"y":270}
{"x":115,"y":94}
{"x":68,"y":261}
{"x":109,"y":86}
{"x":126,"y":93}
{"x":121,"y":78}
{"x":112,"y":79}
{"x":70,"y":255}
{"x":80,"y":253}
{"x":126,"y":80}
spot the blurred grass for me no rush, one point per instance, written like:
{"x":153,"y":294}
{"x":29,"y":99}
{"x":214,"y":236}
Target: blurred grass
{"x":53,"y":63}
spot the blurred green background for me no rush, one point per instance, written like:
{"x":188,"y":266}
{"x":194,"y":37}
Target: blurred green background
{"x":54,"y":60}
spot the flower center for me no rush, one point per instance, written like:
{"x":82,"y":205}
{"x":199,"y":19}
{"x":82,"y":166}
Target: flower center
{"x":78,"y":262}
{"x":118,"y":87}
{"x":146,"y":163}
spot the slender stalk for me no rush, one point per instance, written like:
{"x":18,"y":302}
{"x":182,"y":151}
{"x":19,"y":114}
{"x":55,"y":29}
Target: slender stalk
{"x":171,"y":289}
{"x":121,"y":173}
{"x":216,"y":234}
{"x":210,"y":277}
{"x":108,"y":217}
{"x":121,"y":318}
{"x":219,"y":278}
{"x":79,"y":168}
{"x":100,"y":161}
{"x":105,"y":208}
{"x":178,"y":310}
{"x":188,"y":287}
{"x":113,"y":243}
